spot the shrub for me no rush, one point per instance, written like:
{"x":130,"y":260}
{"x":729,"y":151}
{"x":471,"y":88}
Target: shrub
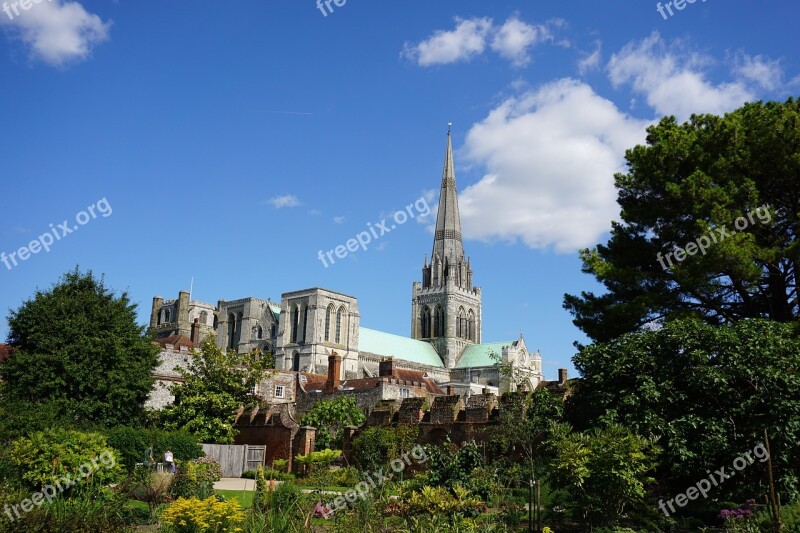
{"x":285,"y":496}
{"x":148,"y":486}
{"x":196,"y":479}
{"x":131,"y":444}
{"x":249,"y":474}
{"x":278,"y":475}
{"x":199,"y":516}
{"x":46,"y":457}
{"x":437,"y":501}
{"x":376,"y":447}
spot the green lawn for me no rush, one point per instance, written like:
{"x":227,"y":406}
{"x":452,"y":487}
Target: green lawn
{"x":244,"y":497}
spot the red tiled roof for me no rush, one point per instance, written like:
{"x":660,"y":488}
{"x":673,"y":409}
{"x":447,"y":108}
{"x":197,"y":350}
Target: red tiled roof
{"x":5,"y":352}
{"x":313,"y":382}
{"x":177,"y":341}
{"x":316,"y":382}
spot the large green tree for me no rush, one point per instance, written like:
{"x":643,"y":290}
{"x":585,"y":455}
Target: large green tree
{"x":330,"y":417}
{"x":78,"y":347}
{"x":706,"y":392}
{"x":698,"y":185}
{"x":216,"y":384}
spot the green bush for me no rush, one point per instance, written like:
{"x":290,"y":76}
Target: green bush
{"x":277,"y":475}
{"x":195,"y":479}
{"x":285,"y":496}
{"x":376,"y":447}
{"x":46,"y":457}
{"x":131,"y":444}
{"x":249,"y":474}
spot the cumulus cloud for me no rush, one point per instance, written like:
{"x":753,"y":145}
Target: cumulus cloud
{"x":467,"y":40}
{"x":550,"y":156}
{"x":514,"y":39}
{"x":471,"y":37}
{"x":672,"y":80}
{"x":286,"y":200}
{"x":55,"y":31}
{"x":766,"y":73}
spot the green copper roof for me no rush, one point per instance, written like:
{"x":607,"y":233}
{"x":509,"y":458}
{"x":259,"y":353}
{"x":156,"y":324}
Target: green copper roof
{"x":389,"y":345}
{"x":481,"y":354}
{"x":276,"y":310}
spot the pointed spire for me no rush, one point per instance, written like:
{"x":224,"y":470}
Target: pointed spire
{"x":447,"y":241}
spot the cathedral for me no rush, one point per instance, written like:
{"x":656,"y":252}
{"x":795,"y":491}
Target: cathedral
{"x":307,"y":327}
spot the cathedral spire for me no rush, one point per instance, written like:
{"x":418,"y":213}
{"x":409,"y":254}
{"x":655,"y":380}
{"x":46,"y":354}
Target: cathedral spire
{"x":447,"y":241}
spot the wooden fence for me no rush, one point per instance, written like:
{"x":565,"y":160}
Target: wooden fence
{"x":236,"y":459}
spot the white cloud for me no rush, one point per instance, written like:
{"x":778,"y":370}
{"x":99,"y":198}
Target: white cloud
{"x":672,"y":80}
{"x":591,"y":61}
{"x":287,"y":200}
{"x":766,"y":73}
{"x":338,"y":220}
{"x":467,"y":40}
{"x":512,"y":41}
{"x":550,"y":156}
{"x":514,"y":38}
{"x":57,"y":32}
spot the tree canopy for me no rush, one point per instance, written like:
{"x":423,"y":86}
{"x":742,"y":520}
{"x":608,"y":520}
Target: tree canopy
{"x":706,"y":392}
{"x":700,"y":192}
{"x":78,"y":346}
{"x":216,"y":385}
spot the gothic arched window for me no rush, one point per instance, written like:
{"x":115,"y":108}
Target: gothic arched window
{"x":231,"y":330}
{"x":339,"y":318}
{"x":425,"y":322}
{"x":471,"y":333}
{"x":328,"y":315}
{"x":295,"y":317}
{"x":461,"y":328}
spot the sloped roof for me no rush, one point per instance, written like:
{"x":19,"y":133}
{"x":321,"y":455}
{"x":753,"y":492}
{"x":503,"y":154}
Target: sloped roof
{"x":276,"y":310}
{"x":390,"y":345}
{"x":5,"y":352}
{"x":481,"y":354}
{"x":176,"y":341}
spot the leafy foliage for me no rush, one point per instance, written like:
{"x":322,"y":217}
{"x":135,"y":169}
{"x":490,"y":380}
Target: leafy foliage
{"x":377,"y":446}
{"x":131,"y":444}
{"x":330,"y":417}
{"x":449,"y":465}
{"x":77,"y":346}
{"x":605,"y":471}
{"x":216,"y":385}
{"x":688,"y":182}
{"x":46,"y":457}
{"x":707,"y":393}
{"x":196,"y":478}
{"x":524,"y":425}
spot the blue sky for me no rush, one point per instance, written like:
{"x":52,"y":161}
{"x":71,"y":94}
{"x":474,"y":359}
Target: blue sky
{"x":233,"y":141}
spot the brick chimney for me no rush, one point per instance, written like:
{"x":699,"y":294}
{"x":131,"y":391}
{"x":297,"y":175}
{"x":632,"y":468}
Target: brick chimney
{"x":387,"y":368}
{"x":334,"y":373}
{"x":196,"y":332}
{"x":562,"y":376}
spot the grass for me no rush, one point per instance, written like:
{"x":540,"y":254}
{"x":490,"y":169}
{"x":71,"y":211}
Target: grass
{"x":244,"y":497}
